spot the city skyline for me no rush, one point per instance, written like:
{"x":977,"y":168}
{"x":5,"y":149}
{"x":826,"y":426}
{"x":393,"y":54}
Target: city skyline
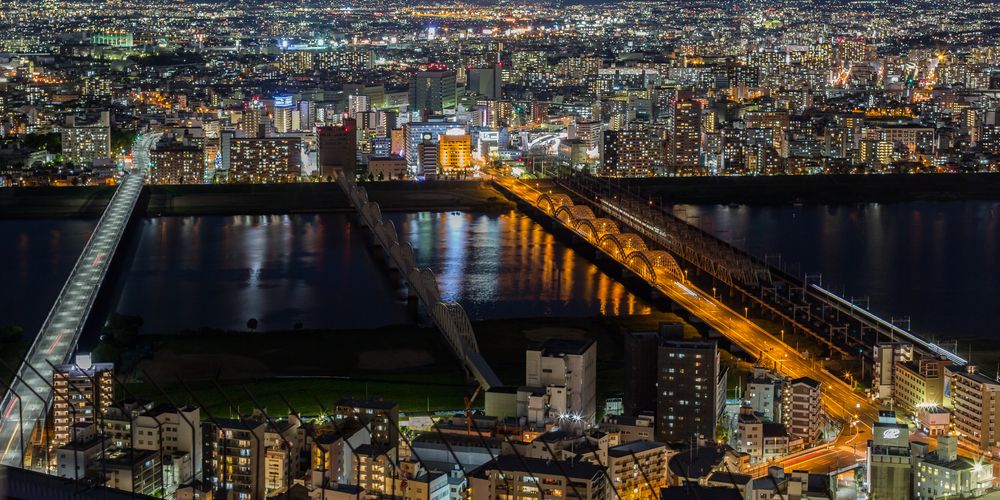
{"x":466,"y":250}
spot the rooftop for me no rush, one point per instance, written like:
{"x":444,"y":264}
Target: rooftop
{"x":564,"y":347}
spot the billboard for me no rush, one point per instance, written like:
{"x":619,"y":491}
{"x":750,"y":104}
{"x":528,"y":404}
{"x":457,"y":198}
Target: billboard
{"x":283,"y":101}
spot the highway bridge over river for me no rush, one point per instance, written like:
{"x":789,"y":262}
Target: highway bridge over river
{"x":27,"y":399}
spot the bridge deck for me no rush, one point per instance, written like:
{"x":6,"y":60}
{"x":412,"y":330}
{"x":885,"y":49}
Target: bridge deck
{"x":61,"y":330}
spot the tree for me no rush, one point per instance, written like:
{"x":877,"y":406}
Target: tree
{"x":252,"y":324}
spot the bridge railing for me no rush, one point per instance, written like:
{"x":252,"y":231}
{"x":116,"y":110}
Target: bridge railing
{"x":25,"y":372}
{"x":449,"y":317}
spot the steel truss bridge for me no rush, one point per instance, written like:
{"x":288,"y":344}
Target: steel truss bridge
{"x":449,"y":317}
{"x":26,"y":403}
{"x":803,"y":304}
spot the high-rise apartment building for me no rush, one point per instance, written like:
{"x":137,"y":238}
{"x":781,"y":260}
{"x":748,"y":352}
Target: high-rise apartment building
{"x":629,"y":153}
{"x":764,"y":394}
{"x":975,"y":405}
{"x":800,"y":409}
{"x":177,"y":162}
{"x":238,"y":457}
{"x":268,"y":160}
{"x":82,"y":390}
{"x":86,"y":143}
{"x":691,"y":390}
{"x":566,"y":363}
{"x":683,"y":149}
{"x":638,"y":469}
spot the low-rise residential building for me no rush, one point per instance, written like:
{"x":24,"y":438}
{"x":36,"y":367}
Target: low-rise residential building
{"x":944,"y":474}
{"x":760,"y":439}
{"x":511,"y":476}
{"x":638,"y":468}
{"x":625,"y":429}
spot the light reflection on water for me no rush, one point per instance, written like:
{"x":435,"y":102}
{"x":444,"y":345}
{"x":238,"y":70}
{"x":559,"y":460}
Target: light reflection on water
{"x":319,"y":270}
{"x":509,"y":266}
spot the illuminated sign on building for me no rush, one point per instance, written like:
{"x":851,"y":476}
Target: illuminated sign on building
{"x":283,"y":101}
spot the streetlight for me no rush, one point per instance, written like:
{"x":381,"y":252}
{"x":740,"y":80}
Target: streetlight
{"x":746,"y":311}
{"x":713,"y":293}
{"x":782,"y":335}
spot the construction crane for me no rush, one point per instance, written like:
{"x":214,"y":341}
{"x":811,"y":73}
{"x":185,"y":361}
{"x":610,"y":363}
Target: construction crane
{"x":468,"y":408}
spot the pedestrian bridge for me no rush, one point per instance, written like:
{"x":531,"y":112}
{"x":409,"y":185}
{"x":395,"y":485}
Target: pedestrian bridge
{"x":27,"y":399}
{"x":448,"y":317}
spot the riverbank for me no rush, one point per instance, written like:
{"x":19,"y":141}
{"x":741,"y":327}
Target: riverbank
{"x":819,"y":189}
{"x":253,"y":199}
{"x":411,"y":365}
{"x":406,"y":196}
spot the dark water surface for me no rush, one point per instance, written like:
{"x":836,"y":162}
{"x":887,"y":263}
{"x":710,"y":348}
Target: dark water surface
{"x":936,"y":262}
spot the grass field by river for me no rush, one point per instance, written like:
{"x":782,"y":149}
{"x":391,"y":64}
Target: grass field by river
{"x":411,"y":365}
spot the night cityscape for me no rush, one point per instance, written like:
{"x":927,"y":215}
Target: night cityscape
{"x":669,"y":249}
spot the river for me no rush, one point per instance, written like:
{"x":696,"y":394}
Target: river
{"x":936,"y":262}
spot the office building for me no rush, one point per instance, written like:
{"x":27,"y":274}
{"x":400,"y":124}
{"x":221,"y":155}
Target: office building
{"x":337,"y":149}
{"x":691,"y":390}
{"x":920,"y":383}
{"x":432,"y":91}
{"x":415,"y":133}
{"x":427,"y":160}
{"x":284,"y":112}
{"x":566,"y":363}
{"x":889,"y":463}
{"x":82,"y":391}
{"x":82,"y":144}
{"x":454,"y":153}
{"x":801,"y":411}
{"x":486,"y":82}
{"x":263,"y":161}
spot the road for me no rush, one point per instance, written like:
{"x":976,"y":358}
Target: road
{"x":26,"y":403}
{"x":839,"y":399}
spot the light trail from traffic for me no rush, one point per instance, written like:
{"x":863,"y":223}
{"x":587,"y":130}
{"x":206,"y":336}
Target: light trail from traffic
{"x":839,"y":399}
